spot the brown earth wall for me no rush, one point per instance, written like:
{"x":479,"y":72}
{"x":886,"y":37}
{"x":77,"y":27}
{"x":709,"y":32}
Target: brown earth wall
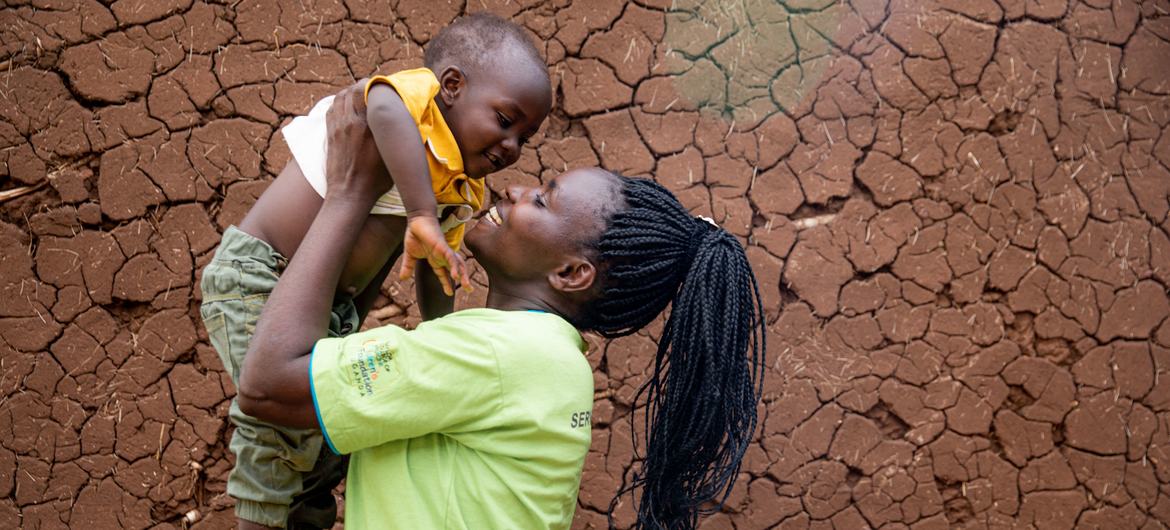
{"x":957,"y":210}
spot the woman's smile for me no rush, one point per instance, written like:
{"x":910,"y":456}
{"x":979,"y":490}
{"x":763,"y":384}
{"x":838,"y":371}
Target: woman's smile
{"x":494,"y":215}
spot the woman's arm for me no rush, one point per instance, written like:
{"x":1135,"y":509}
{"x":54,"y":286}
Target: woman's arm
{"x":274,"y":385}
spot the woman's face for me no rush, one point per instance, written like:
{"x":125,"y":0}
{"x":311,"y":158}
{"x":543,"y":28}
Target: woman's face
{"x":531,"y":231}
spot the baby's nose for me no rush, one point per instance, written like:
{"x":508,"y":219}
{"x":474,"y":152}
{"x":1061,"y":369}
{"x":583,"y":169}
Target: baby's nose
{"x":511,"y":147}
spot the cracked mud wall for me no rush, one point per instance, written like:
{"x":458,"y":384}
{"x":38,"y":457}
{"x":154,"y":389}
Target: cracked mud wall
{"x":957,"y":209}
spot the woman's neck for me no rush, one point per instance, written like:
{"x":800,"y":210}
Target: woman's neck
{"x":505,"y":299}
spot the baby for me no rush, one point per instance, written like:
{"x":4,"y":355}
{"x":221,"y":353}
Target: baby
{"x":439,"y":130}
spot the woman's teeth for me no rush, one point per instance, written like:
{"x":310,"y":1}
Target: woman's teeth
{"x":495,"y":215}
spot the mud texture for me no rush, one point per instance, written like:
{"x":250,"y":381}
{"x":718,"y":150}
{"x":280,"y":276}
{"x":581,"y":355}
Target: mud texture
{"x":958,"y":210}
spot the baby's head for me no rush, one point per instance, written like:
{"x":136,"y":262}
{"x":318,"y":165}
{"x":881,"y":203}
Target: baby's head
{"x":494,"y":89}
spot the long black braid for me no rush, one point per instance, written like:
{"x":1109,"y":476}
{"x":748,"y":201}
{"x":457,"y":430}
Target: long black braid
{"x":701,"y":399}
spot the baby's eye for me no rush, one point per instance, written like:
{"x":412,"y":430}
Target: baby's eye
{"x":505,"y":122}
{"x":539,"y":200}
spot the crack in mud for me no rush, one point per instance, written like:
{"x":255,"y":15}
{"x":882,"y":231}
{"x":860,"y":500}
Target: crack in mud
{"x":959,"y":213}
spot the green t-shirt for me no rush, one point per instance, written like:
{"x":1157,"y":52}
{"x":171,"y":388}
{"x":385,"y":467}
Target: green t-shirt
{"x":480,"y":419}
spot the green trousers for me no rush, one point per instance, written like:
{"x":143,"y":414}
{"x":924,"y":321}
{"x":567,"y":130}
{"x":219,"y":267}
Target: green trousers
{"x":283,"y":477}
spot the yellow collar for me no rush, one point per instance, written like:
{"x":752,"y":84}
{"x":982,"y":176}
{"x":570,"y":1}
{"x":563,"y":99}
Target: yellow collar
{"x":443,"y":146}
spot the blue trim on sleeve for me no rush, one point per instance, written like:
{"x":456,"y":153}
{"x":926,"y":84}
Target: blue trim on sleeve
{"x":317,"y":406}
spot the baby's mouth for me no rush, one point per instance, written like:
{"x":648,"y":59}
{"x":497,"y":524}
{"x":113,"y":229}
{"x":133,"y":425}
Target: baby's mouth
{"x":495,"y":162}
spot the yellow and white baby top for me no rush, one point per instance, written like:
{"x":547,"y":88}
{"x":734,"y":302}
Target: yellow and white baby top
{"x":308,"y":140}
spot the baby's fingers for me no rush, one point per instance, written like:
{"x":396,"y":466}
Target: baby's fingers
{"x":464,"y":275}
{"x":444,"y":280}
{"x":459,"y":271}
{"x":408,"y":264}
{"x":457,"y":265}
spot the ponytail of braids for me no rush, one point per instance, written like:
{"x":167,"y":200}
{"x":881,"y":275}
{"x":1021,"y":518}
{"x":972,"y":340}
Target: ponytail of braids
{"x":701,"y":397}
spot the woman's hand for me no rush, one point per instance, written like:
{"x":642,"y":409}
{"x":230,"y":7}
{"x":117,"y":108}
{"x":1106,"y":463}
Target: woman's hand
{"x":354,"y":169}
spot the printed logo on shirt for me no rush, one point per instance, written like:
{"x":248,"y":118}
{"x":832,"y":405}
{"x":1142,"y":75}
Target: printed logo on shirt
{"x":371,"y":362}
{"x":581,"y":419}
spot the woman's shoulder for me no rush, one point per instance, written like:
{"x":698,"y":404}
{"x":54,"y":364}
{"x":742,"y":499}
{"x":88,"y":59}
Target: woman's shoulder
{"x":541,"y":358}
{"x":540,"y":322}
{"x":515,"y":334}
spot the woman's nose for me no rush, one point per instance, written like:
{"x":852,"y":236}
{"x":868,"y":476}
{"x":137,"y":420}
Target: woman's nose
{"x":515,"y":192}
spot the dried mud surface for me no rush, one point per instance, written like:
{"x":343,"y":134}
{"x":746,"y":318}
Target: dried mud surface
{"x":958,"y":210}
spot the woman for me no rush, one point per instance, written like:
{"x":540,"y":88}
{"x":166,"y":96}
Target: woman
{"x":481,"y":418}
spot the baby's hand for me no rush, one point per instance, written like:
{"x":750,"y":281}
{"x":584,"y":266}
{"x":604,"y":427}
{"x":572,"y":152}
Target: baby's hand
{"x":424,"y":240}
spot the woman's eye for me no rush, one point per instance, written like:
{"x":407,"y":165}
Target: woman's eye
{"x":539,"y":200}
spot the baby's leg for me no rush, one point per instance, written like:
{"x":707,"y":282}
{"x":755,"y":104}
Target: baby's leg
{"x":271,"y":461}
{"x":315,"y":506}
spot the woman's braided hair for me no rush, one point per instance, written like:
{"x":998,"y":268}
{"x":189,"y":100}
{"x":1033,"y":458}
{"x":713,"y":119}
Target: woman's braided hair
{"x":701,"y":398}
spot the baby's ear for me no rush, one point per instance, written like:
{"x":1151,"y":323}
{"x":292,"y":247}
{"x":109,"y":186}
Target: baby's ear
{"x":452,"y":82}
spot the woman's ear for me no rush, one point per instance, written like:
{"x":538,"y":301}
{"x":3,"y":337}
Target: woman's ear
{"x":451,"y":84}
{"x":575,"y":276}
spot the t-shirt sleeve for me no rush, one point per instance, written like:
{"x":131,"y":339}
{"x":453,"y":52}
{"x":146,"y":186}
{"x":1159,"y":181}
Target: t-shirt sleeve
{"x":390,"y":384}
{"x":416,"y":87}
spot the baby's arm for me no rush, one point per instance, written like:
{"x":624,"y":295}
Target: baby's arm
{"x":396,"y":135}
{"x":404,"y":155}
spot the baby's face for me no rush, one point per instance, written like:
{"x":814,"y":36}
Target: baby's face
{"x":494,"y":115}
